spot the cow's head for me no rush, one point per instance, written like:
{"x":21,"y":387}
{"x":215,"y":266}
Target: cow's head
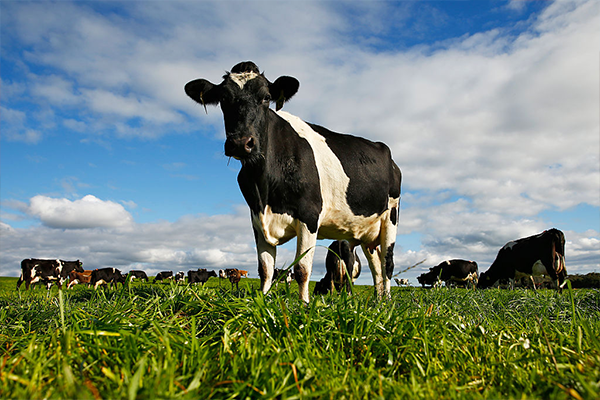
{"x":244,"y":95}
{"x":79,"y":266}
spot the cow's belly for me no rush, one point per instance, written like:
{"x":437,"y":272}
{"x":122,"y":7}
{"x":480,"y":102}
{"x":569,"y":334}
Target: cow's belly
{"x":538,"y":269}
{"x":339,"y":226}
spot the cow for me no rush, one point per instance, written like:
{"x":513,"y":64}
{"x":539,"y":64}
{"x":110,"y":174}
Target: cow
{"x":462,"y":272}
{"x":282,"y":275}
{"x":234,"y":275}
{"x":79,"y":277}
{"x":541,"y":254}
{"x":302,"y":180}
{"x":222,"y":274}
{"x":201,"y":276}
{"x":47,"y":271}
{"x":179,"y":277}
{"x":401,"y":282}
{"x":243,"y":273}
{"x":108,"y":277}
{"x":340,"y":263}
{"x":136,"y":274}
{"x":163,"y":275}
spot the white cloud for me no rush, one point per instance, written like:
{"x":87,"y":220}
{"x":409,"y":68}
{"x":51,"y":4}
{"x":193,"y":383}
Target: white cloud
{"x":88,"y":212}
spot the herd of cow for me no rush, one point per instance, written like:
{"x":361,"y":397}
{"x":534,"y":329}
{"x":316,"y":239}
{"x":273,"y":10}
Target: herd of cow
{"x":541,"y":254}
{"x":48,"y":272}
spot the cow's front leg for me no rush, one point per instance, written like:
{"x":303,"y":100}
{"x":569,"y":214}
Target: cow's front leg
{"x":305,"y":249}
{"x":266,"y":261}
{"x":374,"y":259}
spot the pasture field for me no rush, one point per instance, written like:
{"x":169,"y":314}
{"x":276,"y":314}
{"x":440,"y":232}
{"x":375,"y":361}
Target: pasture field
{"x":166,"y":341}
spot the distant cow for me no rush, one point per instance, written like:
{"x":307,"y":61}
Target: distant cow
{"x":201,"y":276}
{"x":282,"y":275}
{"x":163,"y":275}
{"x":243,"y":273}
{"x":401,"y":282}
{"x":340,"y":262}
{"x":79,"y":277}
{"x":451,"y":272}
{"x":179,"y":277}
{"x":234,"y":276}
{"x":107,"y":276}
{"x":135,"y":274}
{"x":47,"y":271}
{"x":542,"y":254}
{"x":302,"y":180}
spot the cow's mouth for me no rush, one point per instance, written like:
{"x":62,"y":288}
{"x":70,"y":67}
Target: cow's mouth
{"x":239,"y":147}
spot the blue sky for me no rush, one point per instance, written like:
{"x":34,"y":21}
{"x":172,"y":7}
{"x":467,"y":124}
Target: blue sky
{"x":490,"y":109}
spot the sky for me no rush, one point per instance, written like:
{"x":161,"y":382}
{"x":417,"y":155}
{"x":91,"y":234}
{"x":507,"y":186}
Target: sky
{"x":490,"y":108}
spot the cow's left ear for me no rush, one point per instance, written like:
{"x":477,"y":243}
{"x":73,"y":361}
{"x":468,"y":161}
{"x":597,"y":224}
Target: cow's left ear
{"x":283,"y":89}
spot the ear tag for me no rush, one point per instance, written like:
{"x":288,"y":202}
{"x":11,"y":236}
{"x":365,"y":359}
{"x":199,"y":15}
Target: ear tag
{"x":280,"y":101}
{"x":204,"y":104}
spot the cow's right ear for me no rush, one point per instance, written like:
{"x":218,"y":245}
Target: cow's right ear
{"x":203,"y":92}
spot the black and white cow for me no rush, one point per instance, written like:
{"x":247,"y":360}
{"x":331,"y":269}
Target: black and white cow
{"x":542,"y":254}
{"x":163,"y":276}
{"x":461,"y":272}
{"x":107,"y":276}
{"x":136,"y":274}
{"x":179,"y":277}
{"x":340,"y":262}
{"x":201,"y":276}
{"x":302,"y":180}
{"x":282,"y":275}
{"x":47,"y":271}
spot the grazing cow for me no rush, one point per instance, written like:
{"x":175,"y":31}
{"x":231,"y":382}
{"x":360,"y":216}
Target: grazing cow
{"x":79,"y":277}
{"x":401,"y":282}
{"x":200,"y":276}
{"x":107,"y":276}
{"x":542,"y":254}
{"x":452,"y":271}
{"x":340,"y":262}
{"x":163,"y":275}
{"x":243,"y":273}
{"x":179,"y":277}
{"x":135,"y":274}
{"x":234,"y":276}
{"x":302,"y":180}
{"x":46,"y":271}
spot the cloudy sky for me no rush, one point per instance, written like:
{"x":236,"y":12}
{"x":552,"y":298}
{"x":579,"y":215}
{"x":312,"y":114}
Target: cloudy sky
{"x":491,"y":110}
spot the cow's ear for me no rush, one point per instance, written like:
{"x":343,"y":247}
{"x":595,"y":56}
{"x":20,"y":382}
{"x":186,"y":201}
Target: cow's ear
{"x":203,"y":92}
{"x":283,"y":89}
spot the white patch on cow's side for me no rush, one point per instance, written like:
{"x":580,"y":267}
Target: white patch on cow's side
{"x":33,"y":271}
{"x":60,"y":266}
{"x":337,"y":221}
{"x":242,"y":78}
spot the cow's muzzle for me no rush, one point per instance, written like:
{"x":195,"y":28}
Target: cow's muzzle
{"x":239,"y":147}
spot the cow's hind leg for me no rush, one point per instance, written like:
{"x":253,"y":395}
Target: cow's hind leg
{"x":388,"y":241}
{"x":374,"y":260}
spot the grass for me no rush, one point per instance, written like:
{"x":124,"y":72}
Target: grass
{"x":168,"y":341}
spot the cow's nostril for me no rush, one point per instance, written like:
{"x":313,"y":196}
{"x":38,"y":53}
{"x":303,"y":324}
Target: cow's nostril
{"x":249,"y":145}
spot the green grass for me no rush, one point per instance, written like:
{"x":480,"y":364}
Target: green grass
{"x":168,"y":341}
